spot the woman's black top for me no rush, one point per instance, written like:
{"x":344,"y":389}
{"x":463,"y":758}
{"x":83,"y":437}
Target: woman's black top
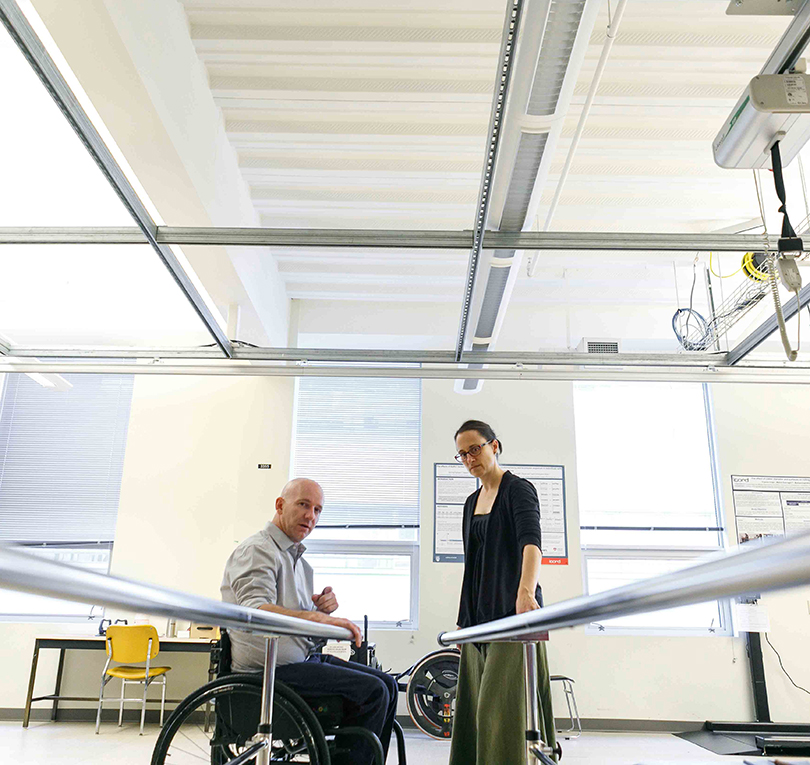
{"x":493,"y":550}
{"x":475,"y":551}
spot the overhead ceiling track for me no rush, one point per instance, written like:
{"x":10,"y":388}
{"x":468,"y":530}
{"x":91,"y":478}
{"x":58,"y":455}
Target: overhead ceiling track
{"x":506,"y":59}
{"x":244,"y":368}
{"x":411,"y":240}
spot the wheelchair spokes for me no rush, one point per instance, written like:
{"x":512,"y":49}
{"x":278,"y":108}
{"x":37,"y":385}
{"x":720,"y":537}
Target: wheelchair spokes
{"x":234,"y":714}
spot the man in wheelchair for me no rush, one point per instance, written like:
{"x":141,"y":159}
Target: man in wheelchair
{"x":268,"y":571}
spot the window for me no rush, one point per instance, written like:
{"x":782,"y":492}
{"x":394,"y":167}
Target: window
{"x":647,"y":494}
{"x":61,"y":460}
{"x":359,"y":438}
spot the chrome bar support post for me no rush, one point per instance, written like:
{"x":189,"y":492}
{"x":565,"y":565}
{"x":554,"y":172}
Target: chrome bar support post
{"x":536,"y":748}
{"x":265,"y":734}
{"x":532,"y":708}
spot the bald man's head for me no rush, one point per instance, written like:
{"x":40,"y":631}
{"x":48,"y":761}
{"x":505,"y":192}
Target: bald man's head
{"x":299,"y":508}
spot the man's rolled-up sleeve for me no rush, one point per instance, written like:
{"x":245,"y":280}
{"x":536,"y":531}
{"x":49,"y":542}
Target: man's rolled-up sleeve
{"x":253,"y":578}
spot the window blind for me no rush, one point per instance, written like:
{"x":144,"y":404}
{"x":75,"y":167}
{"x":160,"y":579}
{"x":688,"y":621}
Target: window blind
{"x":61,"y":458}
{"x":359,"y":438}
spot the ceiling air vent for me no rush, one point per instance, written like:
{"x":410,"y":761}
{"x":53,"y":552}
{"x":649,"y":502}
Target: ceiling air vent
{"x":589,"y":345}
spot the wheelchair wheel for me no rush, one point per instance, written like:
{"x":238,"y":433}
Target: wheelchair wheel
{"x":215,"y":724}
{"x":431,"y":693}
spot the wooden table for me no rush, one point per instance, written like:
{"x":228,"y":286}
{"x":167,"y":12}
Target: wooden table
{"x":97,"y":643}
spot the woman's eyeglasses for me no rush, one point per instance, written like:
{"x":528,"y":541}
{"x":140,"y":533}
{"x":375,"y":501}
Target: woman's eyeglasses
{"x":473,"y":452}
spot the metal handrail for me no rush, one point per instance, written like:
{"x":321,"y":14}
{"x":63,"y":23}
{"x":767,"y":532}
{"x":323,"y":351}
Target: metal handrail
{"x":29,"y":573}
{"x":746,"y":570}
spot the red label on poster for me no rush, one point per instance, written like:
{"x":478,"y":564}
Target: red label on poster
{"x":555,"y":561}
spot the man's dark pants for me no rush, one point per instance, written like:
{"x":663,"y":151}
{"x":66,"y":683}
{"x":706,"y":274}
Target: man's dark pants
{"x":369,"y":696}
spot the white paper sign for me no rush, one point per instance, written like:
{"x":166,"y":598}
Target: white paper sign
{"x":453,"y":484}
{"x":342,"y":649}
{"x":770,"y":506}
{"x":751,"y":617}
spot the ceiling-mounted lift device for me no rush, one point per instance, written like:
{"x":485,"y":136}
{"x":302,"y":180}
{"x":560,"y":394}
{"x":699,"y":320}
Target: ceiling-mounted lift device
{"x":767,"y":128}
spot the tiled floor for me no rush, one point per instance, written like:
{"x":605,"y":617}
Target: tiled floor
{"x":67,"y":743}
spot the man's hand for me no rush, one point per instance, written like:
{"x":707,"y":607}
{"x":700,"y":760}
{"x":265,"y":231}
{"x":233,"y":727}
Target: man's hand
{"x":326,"y":602}
{"x":318,"y":616}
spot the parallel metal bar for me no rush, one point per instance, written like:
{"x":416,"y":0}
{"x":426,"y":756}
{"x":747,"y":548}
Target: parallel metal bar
{"x":4,"y":350}
{"x":25,"y":572}
{"x":506,"y":59}
{"x":72,"y":235}
{"x":749,"y":569}
{"x":243,"y":368}
{"x":410,"y":240}
{"x":32,"y":48}
{"x":769,"y":326}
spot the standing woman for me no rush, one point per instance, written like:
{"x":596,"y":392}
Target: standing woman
{"x":502,"y":557}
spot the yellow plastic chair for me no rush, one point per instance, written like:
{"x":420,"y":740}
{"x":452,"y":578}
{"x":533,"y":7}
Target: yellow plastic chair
{"x":128,"y":644}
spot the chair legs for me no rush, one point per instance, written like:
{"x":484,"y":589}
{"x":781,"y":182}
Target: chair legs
{"x":121,"y":705}
{"x":143,"y":705}
{"x":162,"y":700}
{"x":104,"y":681}
{"x":575,"y":728}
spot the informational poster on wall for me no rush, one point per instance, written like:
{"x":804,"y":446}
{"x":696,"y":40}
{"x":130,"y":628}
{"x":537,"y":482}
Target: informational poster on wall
{"x":452,"y":484}
{"x":770,"y":506}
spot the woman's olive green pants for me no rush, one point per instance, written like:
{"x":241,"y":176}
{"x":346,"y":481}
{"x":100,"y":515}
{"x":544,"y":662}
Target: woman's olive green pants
{"x":489,"y":724}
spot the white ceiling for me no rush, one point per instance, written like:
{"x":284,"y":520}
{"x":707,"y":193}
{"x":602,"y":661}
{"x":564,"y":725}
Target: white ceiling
{"x":361,"y":114}
{"x":374,"y":115}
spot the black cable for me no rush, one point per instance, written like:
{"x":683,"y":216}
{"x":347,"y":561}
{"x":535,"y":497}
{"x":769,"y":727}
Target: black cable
{"x":768,"y":641}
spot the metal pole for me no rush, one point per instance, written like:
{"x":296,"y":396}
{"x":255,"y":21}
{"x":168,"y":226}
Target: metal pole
{"x":28,"y":573}
{"x":747,"y":569}
{"x":265,"y":732}
{"x":769,"y":326}
{"x":227,"y":368}
{"x":533,"y":737}
{"x":381,"y":239}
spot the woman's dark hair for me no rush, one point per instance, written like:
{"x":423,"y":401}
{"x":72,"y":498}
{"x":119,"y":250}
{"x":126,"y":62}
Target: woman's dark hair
{"x":480,"y":427}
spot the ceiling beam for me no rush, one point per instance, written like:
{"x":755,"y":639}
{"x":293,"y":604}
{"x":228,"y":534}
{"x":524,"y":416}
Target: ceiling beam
{"x":237,"y":368}
{"x":391,"y":357}
{"x":397,"y":239}
{"x":769,"y":326}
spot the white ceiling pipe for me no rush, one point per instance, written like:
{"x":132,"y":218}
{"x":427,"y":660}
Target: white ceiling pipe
{"x":610,"y":38}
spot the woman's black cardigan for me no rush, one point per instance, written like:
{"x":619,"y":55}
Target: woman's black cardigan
{"x":513,"y":524}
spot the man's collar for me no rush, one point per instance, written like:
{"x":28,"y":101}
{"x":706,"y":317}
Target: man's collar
{"x":283,"y":541}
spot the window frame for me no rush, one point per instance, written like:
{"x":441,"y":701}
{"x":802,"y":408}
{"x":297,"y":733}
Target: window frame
{"x":372,"y":547}
{"x":369,"y":547}
{"x":94,"y":612}
{"x":667,"y":552}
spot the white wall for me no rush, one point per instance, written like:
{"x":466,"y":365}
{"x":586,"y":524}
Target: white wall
{"x":191,"y":490}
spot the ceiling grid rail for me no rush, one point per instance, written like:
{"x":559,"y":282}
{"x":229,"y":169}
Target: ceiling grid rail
{"x":394,"y":239}
{"x":505,"y":67}
{"x":43,"y":65}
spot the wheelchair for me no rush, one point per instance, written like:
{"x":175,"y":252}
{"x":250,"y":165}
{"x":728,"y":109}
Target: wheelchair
{"x":218,"y":721}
